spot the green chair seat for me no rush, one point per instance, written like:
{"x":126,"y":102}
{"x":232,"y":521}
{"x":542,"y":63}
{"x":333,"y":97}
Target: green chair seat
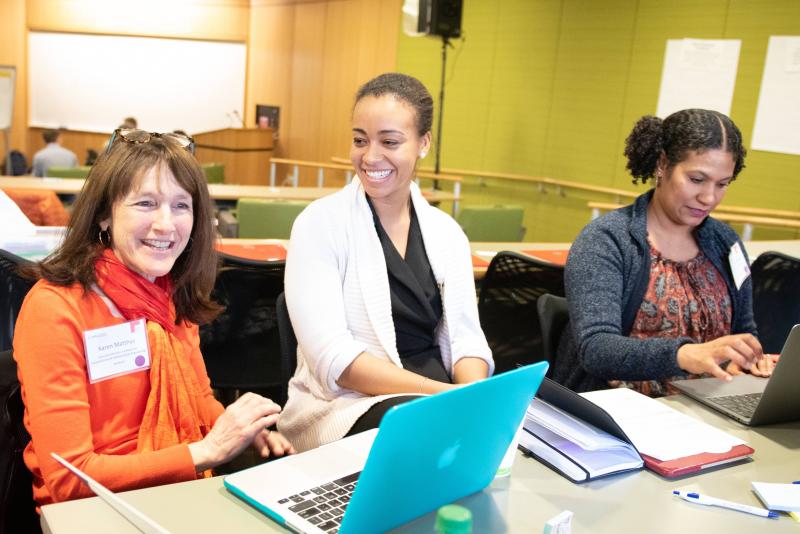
{"x":262,"y":218}
{"x":492,"y":223}
{"x":215,"y":172}
{"x":81,"y":171}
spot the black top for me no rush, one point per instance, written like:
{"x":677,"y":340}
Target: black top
{"x":416,"y":301}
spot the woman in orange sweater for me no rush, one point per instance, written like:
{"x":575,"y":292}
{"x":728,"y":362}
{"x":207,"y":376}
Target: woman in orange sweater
{"x":107,"y":343}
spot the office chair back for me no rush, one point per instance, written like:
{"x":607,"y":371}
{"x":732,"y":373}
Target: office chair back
{"x":776,"y":298}
{"x":13,"y":289}
{"x":288,"y":344}
{"x":81,"y":171}
{"x":553,"y":318}
{"x":241,"y":347}
{"x":17,"y":507}
{"x":492,"y":223}
{"x":263,"y":218}
{"x":507,"y":307}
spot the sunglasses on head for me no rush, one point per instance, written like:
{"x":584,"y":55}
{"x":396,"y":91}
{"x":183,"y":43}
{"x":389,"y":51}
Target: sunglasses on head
{"x":135,"y":136}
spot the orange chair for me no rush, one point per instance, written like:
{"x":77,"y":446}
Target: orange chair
{"x":43,"y":208}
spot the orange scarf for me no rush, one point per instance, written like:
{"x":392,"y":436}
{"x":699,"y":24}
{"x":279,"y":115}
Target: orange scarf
{"x":172,"y":414}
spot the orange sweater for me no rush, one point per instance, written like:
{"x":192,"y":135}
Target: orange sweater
{"x":94,"y":426}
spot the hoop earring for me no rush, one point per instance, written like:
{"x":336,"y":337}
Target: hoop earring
{"x":107,"y":242}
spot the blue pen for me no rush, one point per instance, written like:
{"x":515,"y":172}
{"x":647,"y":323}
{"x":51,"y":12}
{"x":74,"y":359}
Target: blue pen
{"x":712,"y":501}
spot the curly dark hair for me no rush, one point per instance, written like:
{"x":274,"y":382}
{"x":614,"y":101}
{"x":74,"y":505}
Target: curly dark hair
{"x":406,"y":88}
{"x":683,"y":131}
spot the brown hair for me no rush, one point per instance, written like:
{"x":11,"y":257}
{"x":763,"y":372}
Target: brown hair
{"x":111,"y":178}
{"x":50,"y":136}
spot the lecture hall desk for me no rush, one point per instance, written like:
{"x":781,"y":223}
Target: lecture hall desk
{"x":638,"y":502}
{"x":230,"y":192}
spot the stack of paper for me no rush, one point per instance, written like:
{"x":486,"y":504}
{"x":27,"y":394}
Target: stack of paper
{"x":658,"y":430}
{"x":781,"y":497}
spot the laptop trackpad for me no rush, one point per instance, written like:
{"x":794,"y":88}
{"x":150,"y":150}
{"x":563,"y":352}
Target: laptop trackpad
{"x":714,"y":387}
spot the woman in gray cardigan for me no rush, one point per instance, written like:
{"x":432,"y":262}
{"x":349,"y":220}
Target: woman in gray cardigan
{"x":659,"y":289}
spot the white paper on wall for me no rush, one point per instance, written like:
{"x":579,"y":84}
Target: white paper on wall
{"x":698,"y":73}
{"x":777,"y":124}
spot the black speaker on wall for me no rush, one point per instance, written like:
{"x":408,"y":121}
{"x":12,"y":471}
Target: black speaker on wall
{"x":445,"y":16}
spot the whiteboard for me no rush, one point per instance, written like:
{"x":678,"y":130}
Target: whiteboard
{"x":778,"y":113}
{"x":7,"y":76}
{"x":698,"y":73}
{"x":91,"y":82}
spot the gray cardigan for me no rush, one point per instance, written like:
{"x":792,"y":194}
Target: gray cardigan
{"x":606,"y":278}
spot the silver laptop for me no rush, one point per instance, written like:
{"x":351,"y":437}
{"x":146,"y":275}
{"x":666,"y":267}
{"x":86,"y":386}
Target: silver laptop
{"x":136,"y":517}
{"x":751,"y":400}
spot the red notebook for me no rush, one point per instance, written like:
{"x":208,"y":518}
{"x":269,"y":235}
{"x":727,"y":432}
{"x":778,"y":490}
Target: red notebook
{"x":558,"y":257}
{"x":263,"y":252}
{"x":697,"y":462}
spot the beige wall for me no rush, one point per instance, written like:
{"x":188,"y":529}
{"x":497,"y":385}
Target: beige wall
{"x":306,"y":56}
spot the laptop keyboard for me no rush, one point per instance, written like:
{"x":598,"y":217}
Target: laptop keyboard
{"x":744,"y":405}
{"x":324,"y":505}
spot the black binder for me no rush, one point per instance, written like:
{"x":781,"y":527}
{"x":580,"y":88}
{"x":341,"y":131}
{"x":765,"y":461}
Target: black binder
{"x":585,"y":410}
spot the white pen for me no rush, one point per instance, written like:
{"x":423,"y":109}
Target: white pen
{"x":712,"y":501}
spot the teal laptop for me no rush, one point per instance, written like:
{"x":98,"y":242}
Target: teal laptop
{"x":427,"y":452}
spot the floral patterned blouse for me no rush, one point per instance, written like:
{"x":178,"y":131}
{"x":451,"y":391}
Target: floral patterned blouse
{"x":683,"y":299}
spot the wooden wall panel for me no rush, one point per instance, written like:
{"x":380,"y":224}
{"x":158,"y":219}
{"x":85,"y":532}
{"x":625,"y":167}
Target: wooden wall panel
{"x":13,"y":52}
{"x":223,"y":20}
{"x":270,"y":47}
{"x":306,"y":56}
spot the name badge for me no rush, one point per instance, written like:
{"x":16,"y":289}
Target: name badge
{"x":739,"y":267}
{"x":116,"y":350}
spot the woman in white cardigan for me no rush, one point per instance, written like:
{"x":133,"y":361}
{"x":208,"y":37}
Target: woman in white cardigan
{"x":379,"y":284}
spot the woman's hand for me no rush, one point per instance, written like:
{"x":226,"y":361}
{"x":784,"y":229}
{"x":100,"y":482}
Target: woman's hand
{"x":762,"y":368}
{"x":234,"y":430}
{"x":272,"y":443}
{"x":743,"y":350}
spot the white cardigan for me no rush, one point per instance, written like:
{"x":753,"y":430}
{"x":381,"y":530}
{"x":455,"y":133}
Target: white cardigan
{"x":337,"y":293}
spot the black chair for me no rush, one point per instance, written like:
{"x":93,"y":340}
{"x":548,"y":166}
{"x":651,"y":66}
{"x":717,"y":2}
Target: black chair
{"x":507,"y":307}
{"x":776,"y":298}
{"x":288,"y":344}
{"x":17,"y":507}
{"x":241,"y":347}
{"x":13,"y":289}
{"x":553,"y":317}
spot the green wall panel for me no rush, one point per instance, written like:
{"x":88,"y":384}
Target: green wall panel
{"x":553,"y":87}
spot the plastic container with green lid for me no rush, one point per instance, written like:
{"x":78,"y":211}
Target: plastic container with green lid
{"x":453,"y":519}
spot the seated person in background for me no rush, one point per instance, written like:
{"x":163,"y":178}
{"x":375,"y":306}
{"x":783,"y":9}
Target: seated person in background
{"x":139,"y":245}
{"x":52,"y":155}
{"x":379,"y":284}
{"x":653,"y":288}
{"x":130,"y":123}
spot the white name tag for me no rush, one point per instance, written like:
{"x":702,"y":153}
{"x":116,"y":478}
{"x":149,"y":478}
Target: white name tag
{"x":739,"y":267}
{"x":116,"y":350}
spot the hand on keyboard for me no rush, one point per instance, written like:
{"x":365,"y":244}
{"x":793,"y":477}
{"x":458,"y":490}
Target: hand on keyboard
{"x":763,"y":366}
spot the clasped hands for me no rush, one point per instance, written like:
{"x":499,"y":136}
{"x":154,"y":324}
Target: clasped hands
{"x":244,"y":422}
{"x":742,"y":350}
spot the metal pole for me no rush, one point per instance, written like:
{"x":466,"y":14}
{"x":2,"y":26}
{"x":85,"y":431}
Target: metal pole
{"x":438,"y":140}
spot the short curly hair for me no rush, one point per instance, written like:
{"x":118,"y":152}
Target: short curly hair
{"x":408,"y":89}
{"x":683,"y":131}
